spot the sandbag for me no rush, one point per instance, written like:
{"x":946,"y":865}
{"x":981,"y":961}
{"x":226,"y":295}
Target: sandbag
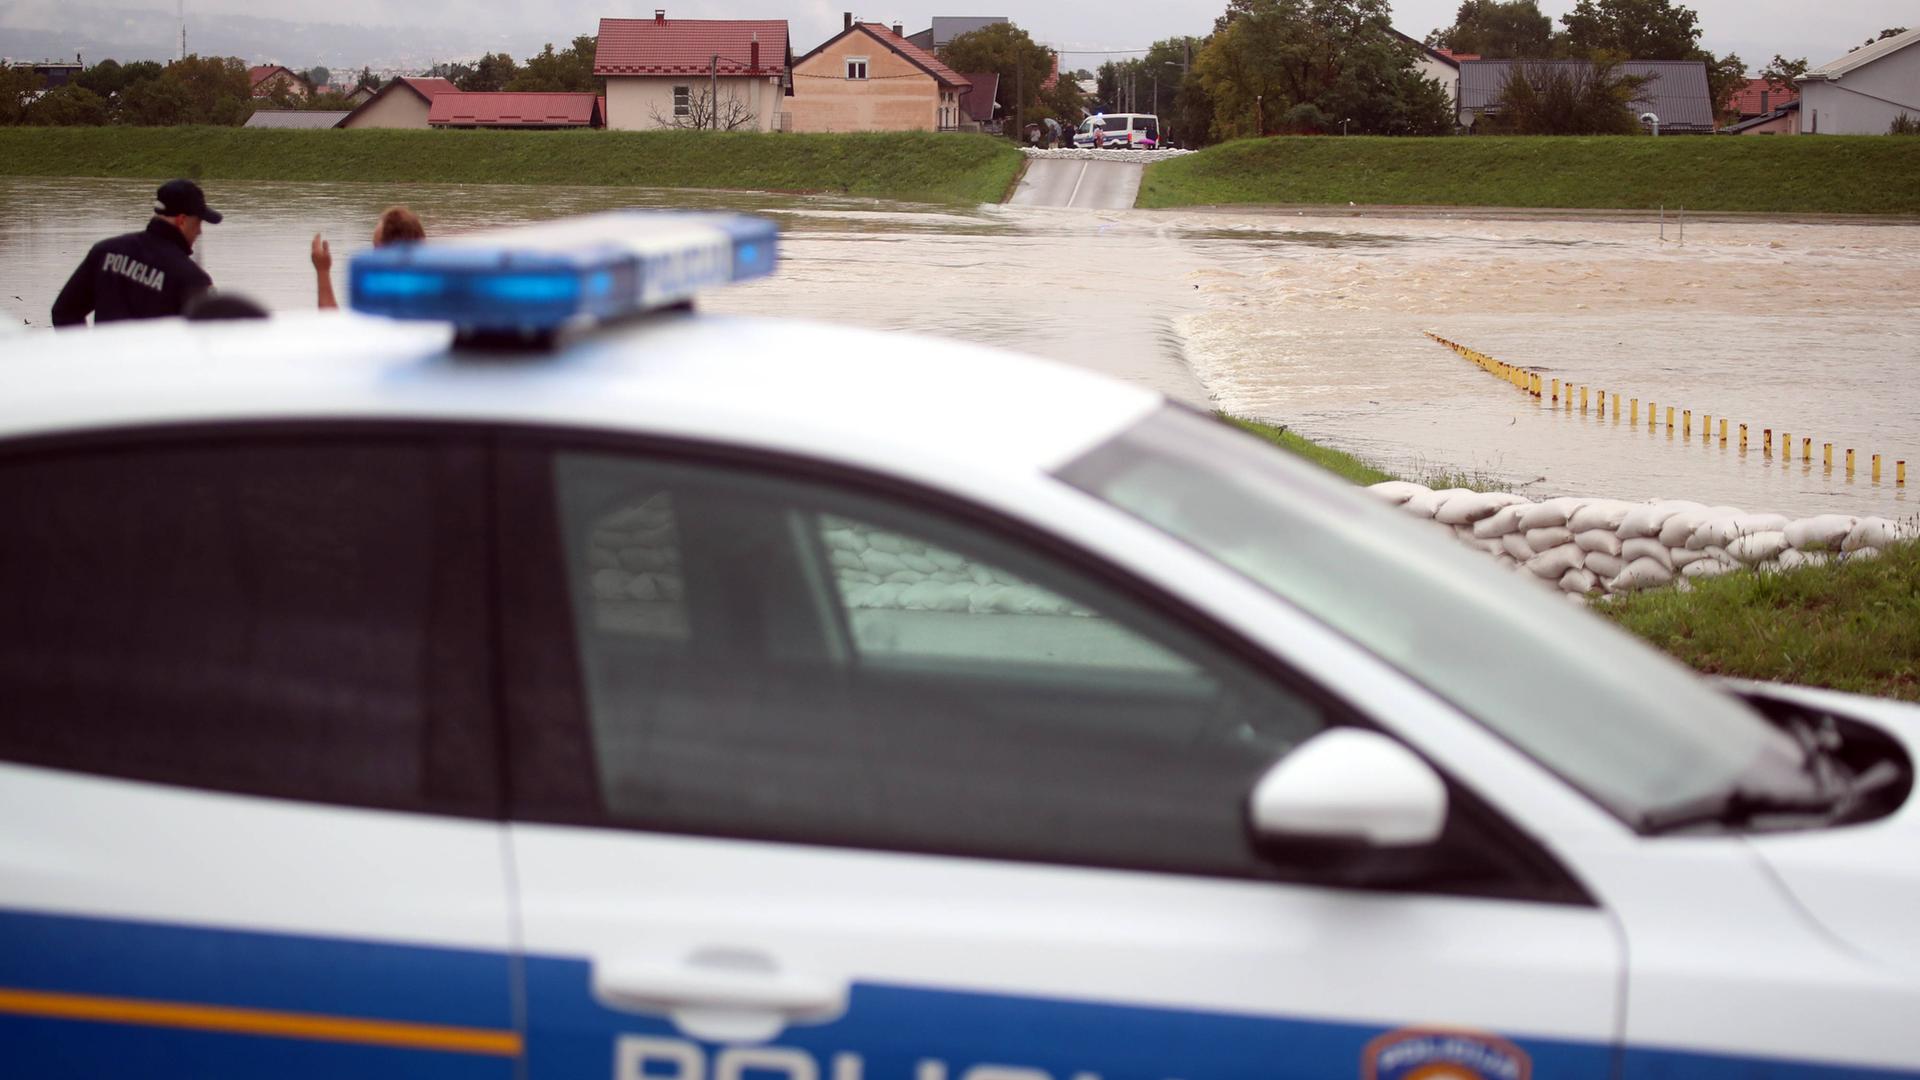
{"x":1547,"y":514}
{"x":1427,"y":504}
{"x":1395,"y":492}
{"x":1722,"y":532}
{"x":1554,"y":563}
{"x":1794,"y":558}
{"x":1491,"y":547}
{"x":1603,"y":565}
{"x":1597,"y":539}
{"x":1599,"y":514}
{"x":1863,"y":553}
{"x":1758,"y":547}
{"x":1649,"y":519}
{"x":1550,"y":537}
{"x":1516,"y":545}
{"x":1646,"y":548}
{"x":1641,"y":574}
{"x":1700,"y":568}
{"x":1685,"y":557}
{"x":1469,"y":508}
{"x":1875,"y":532}
{"x":1680,"y":526}
{"x":1824,"y":532}
{"x":1579,"y":581}
{"x":1500,"y":522}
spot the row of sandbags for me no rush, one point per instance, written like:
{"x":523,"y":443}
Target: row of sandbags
{"x":1608,"y":545}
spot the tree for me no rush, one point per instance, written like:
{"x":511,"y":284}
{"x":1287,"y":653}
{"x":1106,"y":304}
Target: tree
{"x":1267,"y":58}
{"x":707,"y":113}
{"x":367,"y":79}
{"x":17,"y":85}
{"x":1497,"y":30}
{"x":318,"y":78}
{"x":1726,"y":76}
{"x":1781,"y":72}
{"x":105,"y":78}
{"x":570,"y":70}
{"x":1891,"y":31}
{"x":490,"y":73}
{"x":72,"y":105}
{"x":1022,"y":64}
{"x":196,"y":90}
{"x":1562,"y":98}
{"x":1633,"y":29}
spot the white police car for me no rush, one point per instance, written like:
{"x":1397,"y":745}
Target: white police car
{"x":720,"y":698}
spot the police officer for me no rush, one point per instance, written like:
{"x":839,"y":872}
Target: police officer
{"x":143,"y":275}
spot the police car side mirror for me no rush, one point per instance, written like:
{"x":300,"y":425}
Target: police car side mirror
{"x":1354,"y":804}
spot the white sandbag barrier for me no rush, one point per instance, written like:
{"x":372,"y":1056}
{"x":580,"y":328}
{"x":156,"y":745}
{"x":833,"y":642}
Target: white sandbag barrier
{"x":1604,"y":546}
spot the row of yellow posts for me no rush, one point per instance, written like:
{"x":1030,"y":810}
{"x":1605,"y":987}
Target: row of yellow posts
{"x":1561,"y":395}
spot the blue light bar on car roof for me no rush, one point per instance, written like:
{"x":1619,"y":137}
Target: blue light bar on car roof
{"x":534,"y":280}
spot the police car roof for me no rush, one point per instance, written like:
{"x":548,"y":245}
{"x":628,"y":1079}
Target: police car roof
{"x":823,"y":391}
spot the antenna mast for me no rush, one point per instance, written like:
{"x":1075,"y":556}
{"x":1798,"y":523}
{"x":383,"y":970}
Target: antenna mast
{"x":183,"y":29}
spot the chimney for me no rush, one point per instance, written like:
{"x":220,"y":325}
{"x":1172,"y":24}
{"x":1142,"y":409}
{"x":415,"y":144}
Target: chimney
{"x":753,"y":54}
{"x":849,"y":23}
{"x":899,"y":31}
{"x":659,"y":16}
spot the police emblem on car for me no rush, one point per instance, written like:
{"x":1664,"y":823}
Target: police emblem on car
{"x":1424,"y":1054}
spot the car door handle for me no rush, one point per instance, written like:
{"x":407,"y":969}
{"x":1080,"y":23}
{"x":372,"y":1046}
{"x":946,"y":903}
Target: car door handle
{"x":732,"y":980}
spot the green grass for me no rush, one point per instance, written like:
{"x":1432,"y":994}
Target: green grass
{"x":1849,"y":626}
{"x":919,"y":166}
{"x":1334,"y":461}
{"x":1773,"y":174}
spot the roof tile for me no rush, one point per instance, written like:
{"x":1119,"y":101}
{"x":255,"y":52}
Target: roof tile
{"x":688,"y":46}
{"x":514,"y":110}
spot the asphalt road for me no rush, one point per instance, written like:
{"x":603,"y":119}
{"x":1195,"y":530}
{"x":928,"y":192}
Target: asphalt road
{"x":1082,"y":185}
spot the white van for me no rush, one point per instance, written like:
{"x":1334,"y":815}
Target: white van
{"x":1121,"y":131}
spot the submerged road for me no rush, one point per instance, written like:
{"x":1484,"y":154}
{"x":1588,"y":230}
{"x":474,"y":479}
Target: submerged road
{"x":1080,"y":184}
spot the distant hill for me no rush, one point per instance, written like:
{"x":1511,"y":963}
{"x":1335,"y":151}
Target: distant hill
{"x":37,"y":29}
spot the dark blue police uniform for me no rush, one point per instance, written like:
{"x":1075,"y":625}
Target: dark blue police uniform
{"x":142,"y":275}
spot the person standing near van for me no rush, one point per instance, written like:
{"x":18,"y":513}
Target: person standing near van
{"x":143,"y":275}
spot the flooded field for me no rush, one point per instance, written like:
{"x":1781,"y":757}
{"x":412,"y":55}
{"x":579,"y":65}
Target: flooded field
{"x":1311,"y":321}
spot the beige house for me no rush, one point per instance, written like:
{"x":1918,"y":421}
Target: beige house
{"x":870,"y":78}
{"x":402,"y":103}
{"x":705,"y":74}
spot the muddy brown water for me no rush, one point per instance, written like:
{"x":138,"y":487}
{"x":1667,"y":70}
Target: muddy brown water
{"x":1310,"y":320}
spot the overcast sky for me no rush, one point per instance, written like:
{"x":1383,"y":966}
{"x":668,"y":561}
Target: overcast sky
{"x":1756,"y":29}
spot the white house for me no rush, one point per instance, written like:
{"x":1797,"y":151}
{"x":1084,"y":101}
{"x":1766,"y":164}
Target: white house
{"x":1863,"y":92}
{"x":726,"y":74}
{"x":1441,"y":67}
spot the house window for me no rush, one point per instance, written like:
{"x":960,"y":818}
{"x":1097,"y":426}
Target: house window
{"x":683,"y":101}
{"x":856,"y":67}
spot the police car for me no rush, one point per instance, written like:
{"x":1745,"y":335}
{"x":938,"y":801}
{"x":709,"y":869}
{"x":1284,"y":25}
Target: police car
{"x":530,"y":677}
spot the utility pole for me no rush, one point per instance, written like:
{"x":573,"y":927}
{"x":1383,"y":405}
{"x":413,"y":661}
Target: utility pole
{"x":183,"y":29}
{"x":1019,"y":100}
{"x":1259,"y":117}
{"x":713,"y":82}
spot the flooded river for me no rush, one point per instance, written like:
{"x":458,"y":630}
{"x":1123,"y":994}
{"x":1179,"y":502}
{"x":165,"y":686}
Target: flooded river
{"x":1313,"y":321}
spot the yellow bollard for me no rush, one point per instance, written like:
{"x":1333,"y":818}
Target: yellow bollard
{"x":1806,"y":451}
{"x":1900,"y":473}
{"x":1635,"y":406}
{"x":1651,"y":409}
{"x":1669,"y":418}
{"x":1786,"y":448}
{"x":1723,"y":431}
{"x":1826,"y":453}
{"x":1583,"y":399}
{"x":1602,"y":395}
{"x":1766,"y":442}
{"x":1616,"y":406}
{"x":1876,"y":468}
{"x":1743,"y":438}
{"x":1556,"y":390}
{"x":1706,"y":425}
{"x":1686,"y":422}
{"x":1849,"y":461}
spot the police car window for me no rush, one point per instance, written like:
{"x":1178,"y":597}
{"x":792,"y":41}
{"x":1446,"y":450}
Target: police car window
{"x":1001,"y":703}
{"x":293,"y":618}
{"x":906,"y":599}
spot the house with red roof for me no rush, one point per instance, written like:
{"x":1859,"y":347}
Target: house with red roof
{"x":403,"y":103}
{"x":522,"y":111}
{"x":869,"y":77}
{"x":716,"y":74}
{"x":268,"y":79}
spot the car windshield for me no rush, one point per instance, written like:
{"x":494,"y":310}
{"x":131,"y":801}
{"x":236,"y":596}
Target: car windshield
{"x":1629,"y":726}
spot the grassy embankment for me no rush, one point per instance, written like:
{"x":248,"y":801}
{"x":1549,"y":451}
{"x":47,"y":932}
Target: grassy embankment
{"x":920,"y":166}
{"x":1829,"y":174}
{"x":1852,"y":626}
